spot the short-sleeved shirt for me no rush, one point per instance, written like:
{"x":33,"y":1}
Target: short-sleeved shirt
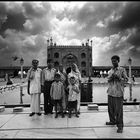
{"x":116,"y":87}
{"x":34,"y":76}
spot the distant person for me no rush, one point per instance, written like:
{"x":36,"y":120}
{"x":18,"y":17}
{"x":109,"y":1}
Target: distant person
{"x":117,"y":77}
{"x":34,"y":87}
{"x":15,"y":73}
{"x":57,"y":94}
{"x":133,"y":78}
{"x":8,"y":80}
{"x":76,"y":73}
{"x":47,"y":80}
{"x":73,"y":91}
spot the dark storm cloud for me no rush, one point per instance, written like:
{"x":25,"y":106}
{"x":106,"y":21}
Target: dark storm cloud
{"x":3,"y":9}
{"x":93,"y":12}
{"x":12,"y":15}
{"x":14,"y":21}
{"x":134,"y":38}
{"x":129,"y":22}
{"x":32,"y":11}
{"x":129,"y":17}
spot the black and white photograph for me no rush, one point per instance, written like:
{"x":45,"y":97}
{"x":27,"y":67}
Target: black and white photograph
{"x":69,"y":69}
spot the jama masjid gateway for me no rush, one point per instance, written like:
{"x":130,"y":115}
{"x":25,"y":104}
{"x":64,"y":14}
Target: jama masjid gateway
{"x":67,"y":54}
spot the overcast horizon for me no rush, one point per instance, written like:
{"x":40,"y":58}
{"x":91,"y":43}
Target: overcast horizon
{"x":114,"y":28}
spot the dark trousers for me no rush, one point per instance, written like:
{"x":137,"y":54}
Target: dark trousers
{"x":115,"y":110}
{"x":72,"y":105}
{"x":48,"y":104}
{"x":56,"y":103}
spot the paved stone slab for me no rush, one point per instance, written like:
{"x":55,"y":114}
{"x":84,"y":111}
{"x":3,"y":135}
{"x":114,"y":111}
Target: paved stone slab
{"x":4,"y":119}
{"x":91,"y":124}
{"x":110,"y":132}
{"x":23,"y":121}
{"x":132,"y":118}
{"x":8,"y":134}
{"x":88,"y":120}
{"x":57,"y":133}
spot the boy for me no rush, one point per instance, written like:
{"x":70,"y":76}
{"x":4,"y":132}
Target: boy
{"x":72,"y":97}
{"x":116,"y":80}
{"x":56,"y":93}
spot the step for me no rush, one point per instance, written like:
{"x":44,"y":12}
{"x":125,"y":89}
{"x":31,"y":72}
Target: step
{"x":92,"y":107}
{"x":18,"y":109}
{"x":2,"y":108}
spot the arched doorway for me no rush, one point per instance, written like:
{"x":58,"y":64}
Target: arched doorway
{"x":68,"y":70}
{"x":68,"y":60}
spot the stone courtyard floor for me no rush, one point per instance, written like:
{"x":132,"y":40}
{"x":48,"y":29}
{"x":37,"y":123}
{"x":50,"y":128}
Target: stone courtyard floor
{"x":90,"y":124}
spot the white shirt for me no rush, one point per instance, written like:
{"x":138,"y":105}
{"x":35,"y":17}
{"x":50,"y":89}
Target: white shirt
{"x":48,"y":75}
{"x":35,"y":82}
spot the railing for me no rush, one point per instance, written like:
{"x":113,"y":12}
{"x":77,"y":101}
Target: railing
{"x":98,"y":82}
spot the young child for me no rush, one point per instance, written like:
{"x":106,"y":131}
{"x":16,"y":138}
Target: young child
{"x":72,"y":97}
{"x":56,"y":93}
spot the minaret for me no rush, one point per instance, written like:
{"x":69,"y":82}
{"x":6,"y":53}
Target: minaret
{"x":91,"y":43}
{"x":51,"y":41}
{"x":48,"y":42}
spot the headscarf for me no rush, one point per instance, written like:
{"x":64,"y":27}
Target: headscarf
{"x":75,"y":73}
{"x":63,"y":74}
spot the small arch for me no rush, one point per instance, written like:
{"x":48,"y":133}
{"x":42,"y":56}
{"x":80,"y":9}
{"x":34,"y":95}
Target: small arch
{"x":83,"y":64}
{"x":83,"y":55}
{"x":56,"y":64}
{"x":83,"y":73}
{"x":56,"y":55}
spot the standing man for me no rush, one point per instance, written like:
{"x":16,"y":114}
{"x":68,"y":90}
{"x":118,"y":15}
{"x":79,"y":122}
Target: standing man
{"x":117,"y":77}
{"x":34,"y":87}
{"x":47,"y":80}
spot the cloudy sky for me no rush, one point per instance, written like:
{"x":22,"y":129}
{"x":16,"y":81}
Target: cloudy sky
{"x":114,"y":28}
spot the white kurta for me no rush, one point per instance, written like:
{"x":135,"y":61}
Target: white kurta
{"x":35,"y":90}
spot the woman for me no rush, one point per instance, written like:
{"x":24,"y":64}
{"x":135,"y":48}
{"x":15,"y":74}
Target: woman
{"x":76,"y":73}
{"x":63,"y":75}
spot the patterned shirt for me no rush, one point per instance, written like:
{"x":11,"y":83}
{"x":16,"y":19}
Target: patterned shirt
{"x":48,"y":75}
{"x":116,"y":86}
{"x":34,"y":76}
{"x":76,"y":75}
{"x":72,"y":93}
{"x":57,"y":90}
